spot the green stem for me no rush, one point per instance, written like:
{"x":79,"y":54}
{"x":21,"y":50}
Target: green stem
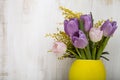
{"x":78,"y":52}
{"x":81,"y":25}
{"x":73,"y":54}
{"x":83,"y":54}
{"x":88,"y":52}
{"x":99,"y":53}
{"x":87,"y":49}
{"x":94,"y":53}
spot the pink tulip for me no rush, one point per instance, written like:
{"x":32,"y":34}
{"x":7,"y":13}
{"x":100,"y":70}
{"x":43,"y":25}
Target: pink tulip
{"x":59,"y":47}
{"x":95,"y":34}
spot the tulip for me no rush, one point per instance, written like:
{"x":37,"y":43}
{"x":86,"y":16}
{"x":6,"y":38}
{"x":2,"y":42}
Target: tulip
{"x":95,"y":34}
{"x":79,"y":39}
{"x":87,"y":21}
{"x":71,"y":26}
{"x":109,"y":28}
{"x":59,"y":47}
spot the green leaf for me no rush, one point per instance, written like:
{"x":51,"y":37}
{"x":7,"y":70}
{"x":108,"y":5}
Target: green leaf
{"x":92,"y":18}
{"x":87,"y":52}
{"x":104,"y":58}
{"x":83,"y":54}
{"x":78,"y":57}
{"x":105,"y":53}
{"x":102,"y":46}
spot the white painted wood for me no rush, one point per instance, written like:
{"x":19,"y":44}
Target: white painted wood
{"x":23,"y":46}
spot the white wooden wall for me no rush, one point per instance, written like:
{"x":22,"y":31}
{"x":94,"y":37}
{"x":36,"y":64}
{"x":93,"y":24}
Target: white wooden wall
{"x":23,"y":46}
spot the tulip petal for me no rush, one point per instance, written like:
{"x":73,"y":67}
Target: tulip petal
{"x":65,"y":26}
{"x":79,"y":40}
{"x":95,"y":34}
{"x":71,"y":26}
{"x":87,"y":20}
{"x":59,"y":47}
{"x":109,"y":28}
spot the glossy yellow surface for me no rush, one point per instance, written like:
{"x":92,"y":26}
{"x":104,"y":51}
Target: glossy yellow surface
{"x":87,"y":70}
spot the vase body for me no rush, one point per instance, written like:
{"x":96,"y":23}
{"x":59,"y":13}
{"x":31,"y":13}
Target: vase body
{"x":87,"y":70}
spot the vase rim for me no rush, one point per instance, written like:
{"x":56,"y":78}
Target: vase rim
{"x":87,"y":60}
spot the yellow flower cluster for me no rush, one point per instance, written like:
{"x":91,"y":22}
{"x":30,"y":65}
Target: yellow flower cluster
{"x":99,"y":23}
{"x":61,"y":37}
{"x":68,"y":14}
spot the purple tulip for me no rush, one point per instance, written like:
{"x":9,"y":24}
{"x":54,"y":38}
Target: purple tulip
{"x":79,"y":39}
{"x":109,"y":28}
{"x":71,"y":26}
{"x":87,"y":21}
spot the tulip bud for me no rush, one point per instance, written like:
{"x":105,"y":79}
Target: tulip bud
{"x":109,"y":28}
{"x":59,"y":47}
{"x":79,"y":39}
{"x":95,"y":34}
{"x":87,"y":21}
{"x":71,"y":26}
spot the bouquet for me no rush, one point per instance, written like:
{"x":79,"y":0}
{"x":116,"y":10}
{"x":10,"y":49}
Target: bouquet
{"x":82,"y":38}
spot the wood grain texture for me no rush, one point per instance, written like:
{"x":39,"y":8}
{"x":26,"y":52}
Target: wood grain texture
{"x":109,"y":1}
{"x":23,"y":45}
{"x":3,"y":54}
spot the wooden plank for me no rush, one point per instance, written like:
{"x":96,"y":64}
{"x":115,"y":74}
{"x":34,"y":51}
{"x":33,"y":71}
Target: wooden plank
{"x":3,"y":54}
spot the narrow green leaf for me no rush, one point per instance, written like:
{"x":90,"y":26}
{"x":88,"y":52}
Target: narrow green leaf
{"x":94,"y":53}
{"x":105,"y":53}
{"x":104,"y":58}
{"x":78,"y":52}
{"x":83,"y":54}
{"x":87,"y":52}
{"x":92,"y":18}
{"x":102,"y":46}
{"x":78,"y":57}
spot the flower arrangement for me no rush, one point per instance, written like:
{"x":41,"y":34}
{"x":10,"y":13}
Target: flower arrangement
{"x":82,"y":38}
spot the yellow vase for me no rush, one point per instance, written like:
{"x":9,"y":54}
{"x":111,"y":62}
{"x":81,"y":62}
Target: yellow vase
{"x":87,"y":70}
